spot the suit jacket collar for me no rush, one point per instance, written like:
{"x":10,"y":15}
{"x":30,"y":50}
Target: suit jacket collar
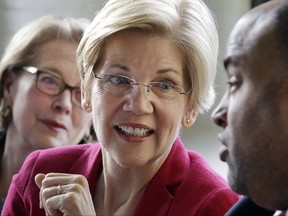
{"x":165,"y":182}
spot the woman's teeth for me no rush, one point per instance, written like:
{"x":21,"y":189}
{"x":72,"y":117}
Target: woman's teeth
{"x":141,"y":132}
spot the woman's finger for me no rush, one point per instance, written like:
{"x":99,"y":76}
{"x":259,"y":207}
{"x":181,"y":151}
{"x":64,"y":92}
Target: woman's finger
{"x":38,"y":180}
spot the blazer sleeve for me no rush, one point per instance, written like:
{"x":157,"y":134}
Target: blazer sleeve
{"x":13,"y":205}
{"x":218,"y":203}
{"x":23,"y":190}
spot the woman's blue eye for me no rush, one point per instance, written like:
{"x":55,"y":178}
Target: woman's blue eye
{"x":165,"y":86}
{"x":119,"y":80}
{"x":47,"y":79}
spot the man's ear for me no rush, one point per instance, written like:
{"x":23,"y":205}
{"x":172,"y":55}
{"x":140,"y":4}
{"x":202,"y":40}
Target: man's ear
{"x":7,"y":80}
{"x":189,"y":118}
{"x":86,"y":98}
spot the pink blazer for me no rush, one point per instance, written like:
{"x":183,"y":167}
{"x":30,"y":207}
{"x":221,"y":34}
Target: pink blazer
{"x":184,"y":185}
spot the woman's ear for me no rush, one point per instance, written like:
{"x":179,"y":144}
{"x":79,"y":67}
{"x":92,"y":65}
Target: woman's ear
{"x":7,"y":81}
{"x":189,"y":118}
{"x":86,"y":98}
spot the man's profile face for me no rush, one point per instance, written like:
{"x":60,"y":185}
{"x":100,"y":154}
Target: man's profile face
{"x":254,"y":112}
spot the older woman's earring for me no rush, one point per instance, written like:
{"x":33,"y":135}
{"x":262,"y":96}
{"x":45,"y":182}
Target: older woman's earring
{"x":187,"y":120}
{"x":7,"y":109}
{"x":87,"y":105}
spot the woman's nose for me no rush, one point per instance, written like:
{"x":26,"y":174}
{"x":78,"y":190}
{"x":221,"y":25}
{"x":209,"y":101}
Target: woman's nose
{"x":63,"y":102}
{"x":138,"y":101}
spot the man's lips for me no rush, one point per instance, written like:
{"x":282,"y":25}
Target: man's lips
{"x":223,"y":151}
{"x":53,"y":125}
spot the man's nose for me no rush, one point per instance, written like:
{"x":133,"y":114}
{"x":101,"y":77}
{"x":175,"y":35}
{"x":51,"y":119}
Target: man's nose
{"x":219,"y":115}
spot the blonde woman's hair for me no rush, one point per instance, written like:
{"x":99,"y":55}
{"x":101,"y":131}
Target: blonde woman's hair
{"x":188,"y":23}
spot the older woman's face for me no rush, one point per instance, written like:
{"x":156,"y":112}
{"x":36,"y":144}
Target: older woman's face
{"x":138,"y":127}
{"x":43,"y":120}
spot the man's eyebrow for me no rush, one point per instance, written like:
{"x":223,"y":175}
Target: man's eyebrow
{"x":230,"y":61}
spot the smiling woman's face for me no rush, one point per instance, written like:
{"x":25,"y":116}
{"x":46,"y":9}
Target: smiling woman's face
{"x":139,"y":127}
{"x":42,"y":120}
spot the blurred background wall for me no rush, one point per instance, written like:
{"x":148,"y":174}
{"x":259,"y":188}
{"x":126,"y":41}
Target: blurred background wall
{"x":202,"y":137}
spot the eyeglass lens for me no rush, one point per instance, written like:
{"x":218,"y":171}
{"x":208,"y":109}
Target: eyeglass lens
{"x":52,"y":85}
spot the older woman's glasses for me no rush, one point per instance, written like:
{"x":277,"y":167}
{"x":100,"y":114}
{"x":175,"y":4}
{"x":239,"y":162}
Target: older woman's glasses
{"x":120,"y":85}
{"x":50,"y":84}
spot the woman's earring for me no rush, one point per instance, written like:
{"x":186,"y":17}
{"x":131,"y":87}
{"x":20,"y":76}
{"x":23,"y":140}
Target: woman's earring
{"x":7,"y":109}
{"x":87,"y":106}
{"x":187,"y":120}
